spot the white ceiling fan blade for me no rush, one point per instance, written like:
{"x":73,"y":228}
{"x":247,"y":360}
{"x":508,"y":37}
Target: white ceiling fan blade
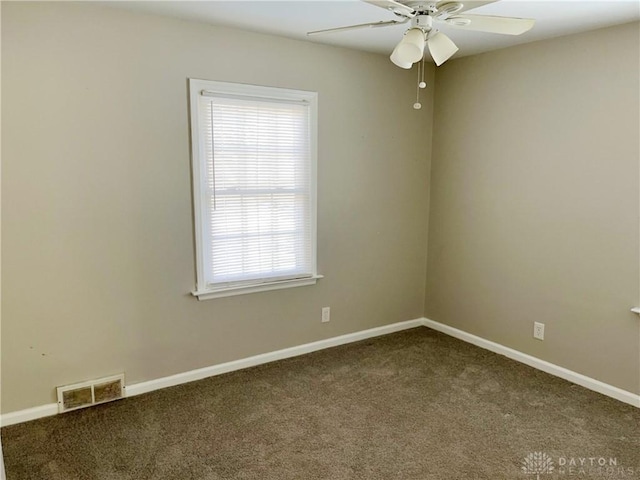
{"x":386,"y":23}
{"x":441,"y":48}
{"x":392,"y":5}
{"x":487,"y":23}
{"x":466,"y":5}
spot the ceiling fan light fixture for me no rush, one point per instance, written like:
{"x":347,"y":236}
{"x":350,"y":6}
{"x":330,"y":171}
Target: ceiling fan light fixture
{"x":410,"y":49}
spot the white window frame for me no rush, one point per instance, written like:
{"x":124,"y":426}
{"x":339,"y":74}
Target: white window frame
{"x":205,"y":291}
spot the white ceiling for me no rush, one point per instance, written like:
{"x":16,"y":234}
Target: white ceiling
{"x":294,"y":18}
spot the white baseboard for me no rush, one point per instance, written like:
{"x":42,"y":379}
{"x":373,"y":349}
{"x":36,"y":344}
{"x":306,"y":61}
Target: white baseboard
{"x":190,"y":376}
{"x":180,"y":378}
{"x":574,"y":377}
{"x":28,"y":414}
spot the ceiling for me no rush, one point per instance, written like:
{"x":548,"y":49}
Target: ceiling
{"x":294,"y":18}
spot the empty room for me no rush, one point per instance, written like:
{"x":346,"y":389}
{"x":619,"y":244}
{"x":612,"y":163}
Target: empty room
{"x":320,"y":240}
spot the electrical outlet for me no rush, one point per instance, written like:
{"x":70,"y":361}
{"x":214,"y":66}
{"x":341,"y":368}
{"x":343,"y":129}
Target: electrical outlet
{"x":326,"y":314}
{"x":538,"y":330}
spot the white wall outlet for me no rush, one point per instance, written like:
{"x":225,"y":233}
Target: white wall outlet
{"x":326,"y":314}
{"x":538,"y":330}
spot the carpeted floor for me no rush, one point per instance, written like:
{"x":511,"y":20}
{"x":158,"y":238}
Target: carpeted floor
{"x":415,"y":405}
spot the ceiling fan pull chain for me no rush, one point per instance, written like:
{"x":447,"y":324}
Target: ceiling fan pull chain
{"x":418,"y":105}
{"x":422,"y":83}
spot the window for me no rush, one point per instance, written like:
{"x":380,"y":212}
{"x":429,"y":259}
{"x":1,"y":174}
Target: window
{"x":254,"y":187}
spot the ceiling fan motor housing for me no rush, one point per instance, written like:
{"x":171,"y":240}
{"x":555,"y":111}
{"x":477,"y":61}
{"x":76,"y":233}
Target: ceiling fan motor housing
{"x":423,"y":22}
{"x":443,"y":10}
{"x":423,"y":7}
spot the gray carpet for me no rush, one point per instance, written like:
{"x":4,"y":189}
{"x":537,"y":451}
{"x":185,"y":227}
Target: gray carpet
{"x":412,"y":405}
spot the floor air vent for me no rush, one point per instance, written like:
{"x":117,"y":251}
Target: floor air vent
{"x":93,"y":392}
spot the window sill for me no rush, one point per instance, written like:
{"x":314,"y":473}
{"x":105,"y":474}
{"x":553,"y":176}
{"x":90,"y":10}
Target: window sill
{"x":263,"y":287}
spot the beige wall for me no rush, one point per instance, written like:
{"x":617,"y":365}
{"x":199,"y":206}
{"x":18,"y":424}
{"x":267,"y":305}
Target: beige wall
{"x":534,"y":200}
{"x":534,"y":207}
{"x":97,"y":246}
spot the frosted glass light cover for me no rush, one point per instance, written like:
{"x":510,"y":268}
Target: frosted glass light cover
{"x":395,"y":58}
{"x":411,"y":48}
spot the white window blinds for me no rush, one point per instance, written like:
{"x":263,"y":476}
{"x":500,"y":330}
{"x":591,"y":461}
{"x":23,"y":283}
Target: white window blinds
{"x":256,"y":188}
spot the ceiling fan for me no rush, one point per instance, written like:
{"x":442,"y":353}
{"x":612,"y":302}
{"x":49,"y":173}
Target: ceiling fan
{"x":423,"y":14}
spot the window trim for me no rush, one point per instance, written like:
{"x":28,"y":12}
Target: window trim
{"x":197,"y":87}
